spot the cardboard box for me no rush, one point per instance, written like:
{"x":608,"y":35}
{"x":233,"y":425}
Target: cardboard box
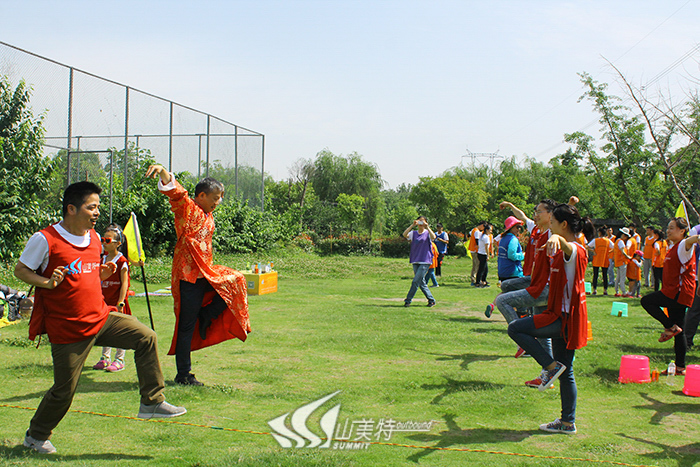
{"x":259,"y":284}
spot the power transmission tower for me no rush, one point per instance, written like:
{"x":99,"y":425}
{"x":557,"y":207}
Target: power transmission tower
{"x":482,"y":157}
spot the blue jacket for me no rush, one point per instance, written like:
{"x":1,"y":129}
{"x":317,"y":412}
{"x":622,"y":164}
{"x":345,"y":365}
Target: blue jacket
{"x":510,"y":254}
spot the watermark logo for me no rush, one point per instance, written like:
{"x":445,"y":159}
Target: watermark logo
{"x":351,"y":435}
{"x":299,"y":432}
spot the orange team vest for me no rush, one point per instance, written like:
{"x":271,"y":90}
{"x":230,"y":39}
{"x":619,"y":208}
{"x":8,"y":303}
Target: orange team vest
{"x":633,"y":272}
{"x":581,"y":238}
{"x":472,"y":241}
{"x":435,"y":255}
{"x":619,"y":258}
{"x":658,"y":258}
{"x":631,"y":249}
{"x":75,"y":309}
{"x":601,"y":252}
{"x":648,"y":247}
{"x":611,"y":247}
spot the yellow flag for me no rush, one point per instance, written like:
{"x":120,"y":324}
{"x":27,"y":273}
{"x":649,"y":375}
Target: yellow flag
{"x":133,"y":238}
{"x":681,"y":212}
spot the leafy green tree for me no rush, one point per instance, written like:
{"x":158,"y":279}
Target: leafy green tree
{"x":350,"y":209}
{"x":400,"y":211}
{"x":451,"y":200}
{"x":628,"y":172}
{"x":24,"y":171}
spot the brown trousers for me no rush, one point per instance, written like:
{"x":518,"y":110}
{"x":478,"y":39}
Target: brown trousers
{"x":121,"y":331}
{"x":475,"y":265}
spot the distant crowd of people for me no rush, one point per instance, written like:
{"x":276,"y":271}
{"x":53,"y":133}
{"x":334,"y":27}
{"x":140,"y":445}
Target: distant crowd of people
{"x":543,"y":288}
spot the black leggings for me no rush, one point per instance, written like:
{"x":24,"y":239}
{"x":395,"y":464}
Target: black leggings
{"x":658,"y":273}
{"x":605,"y":277}
{"x":483,"y":268}
{"x":654,"y":303}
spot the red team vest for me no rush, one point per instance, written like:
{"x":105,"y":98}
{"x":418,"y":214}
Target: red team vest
{"x":530,"y":252}
{"x":113,"y":284}
{"x":74,"y":310}
{"x":540,"y":269}
{"x":676,"y":280}
{"x":574,"y":325}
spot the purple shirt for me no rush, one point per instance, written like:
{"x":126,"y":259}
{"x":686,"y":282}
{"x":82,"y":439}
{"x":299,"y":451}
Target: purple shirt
{"x":421,"y":251}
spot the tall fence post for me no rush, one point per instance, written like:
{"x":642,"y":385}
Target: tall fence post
{"x":170,"y":140}
{"x":262,"y":172}
{"x":70,"y":124}
{"x":126,"y":139}
{"x":235,"y":156}
{"x":208,"y":135}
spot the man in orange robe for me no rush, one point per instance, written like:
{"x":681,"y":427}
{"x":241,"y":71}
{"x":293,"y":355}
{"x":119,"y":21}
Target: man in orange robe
{"x":210,"y":299}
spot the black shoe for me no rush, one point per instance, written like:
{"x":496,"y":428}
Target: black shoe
{"x":406,"y":304}
{"x":204,"y":323}
{"x":188,"y":380}
{"x":431,"y":303}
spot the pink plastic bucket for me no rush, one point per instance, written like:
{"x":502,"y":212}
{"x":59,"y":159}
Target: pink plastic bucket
{"x":634,"y":369}
{"x":691,"y":387}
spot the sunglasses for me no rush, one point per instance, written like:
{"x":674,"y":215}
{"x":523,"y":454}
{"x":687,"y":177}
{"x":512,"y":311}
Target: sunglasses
{"x":108,"y":240}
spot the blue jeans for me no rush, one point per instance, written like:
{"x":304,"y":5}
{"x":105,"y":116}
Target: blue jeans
{"x":524,"y":332}
{"x":611,"y":273}
{"x":521,"y":299}
{"x":419,"y":272}
{"x":430,"y":275}
{"x":515,"y":284}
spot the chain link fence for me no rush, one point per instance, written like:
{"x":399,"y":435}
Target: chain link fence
{"x":88,"y":118}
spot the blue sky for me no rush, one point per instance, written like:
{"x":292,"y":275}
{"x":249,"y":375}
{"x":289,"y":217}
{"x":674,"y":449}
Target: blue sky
{"x":410,"y":85}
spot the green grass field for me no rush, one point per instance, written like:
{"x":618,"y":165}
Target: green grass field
{"x":338,"y":324}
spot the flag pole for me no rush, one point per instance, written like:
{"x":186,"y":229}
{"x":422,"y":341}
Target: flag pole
{"x":148,"y":302}
{"x":140,"y":258}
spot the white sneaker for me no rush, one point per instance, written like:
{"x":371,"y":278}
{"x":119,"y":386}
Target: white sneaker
{"x":43,"y":447}
{"x":160,"y":410}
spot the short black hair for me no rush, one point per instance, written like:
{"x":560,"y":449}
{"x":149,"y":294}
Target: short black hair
{"x":76,"y":193}
{"x":549,"y":204}
{"x":438,"y":225}
{"x":208,"y":185}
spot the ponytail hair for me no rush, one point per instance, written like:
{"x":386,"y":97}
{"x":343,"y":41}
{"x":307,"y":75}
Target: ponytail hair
{"x":660,"y":234}
{"x":568,"y":213}
{"x":123,"y":248}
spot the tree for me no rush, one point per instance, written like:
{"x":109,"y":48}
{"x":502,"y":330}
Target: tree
{"x":350,"y":208}
{"x":628,"y":172}
{"x":24,"y":171}
{"x":451,"y":200}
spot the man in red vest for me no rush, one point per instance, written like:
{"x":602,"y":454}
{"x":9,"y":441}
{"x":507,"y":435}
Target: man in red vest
{"x":63,"y":263}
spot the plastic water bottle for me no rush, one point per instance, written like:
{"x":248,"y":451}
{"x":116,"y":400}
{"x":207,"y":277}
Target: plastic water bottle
{"x":671,"y":373}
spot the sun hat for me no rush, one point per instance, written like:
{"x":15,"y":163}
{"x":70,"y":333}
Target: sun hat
{"x":511,"y":221}
{"x":639,"y":252}
{"x":625,"y":231}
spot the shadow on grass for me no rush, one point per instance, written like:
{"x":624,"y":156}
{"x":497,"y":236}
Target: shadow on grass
{"x":687,"y":455}
{"x":607,"y":375}
{"x":630,"y":349}
{"x":452,"y":386}
{"x":501,"y":330}
{"x":465,"y":358}
{"x":465,"y":319}
{"x":20,"y":453}
{"x":662,"y":409}
{"x":454,"y":435}
{"x":85,"y":385}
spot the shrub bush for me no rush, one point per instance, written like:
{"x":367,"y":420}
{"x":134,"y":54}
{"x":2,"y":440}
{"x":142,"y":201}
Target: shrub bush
{"x":348,"y":245}
{"x":396,"y":247}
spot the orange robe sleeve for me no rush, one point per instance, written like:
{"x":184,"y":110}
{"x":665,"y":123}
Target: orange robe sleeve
{"x":193,"y":256}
